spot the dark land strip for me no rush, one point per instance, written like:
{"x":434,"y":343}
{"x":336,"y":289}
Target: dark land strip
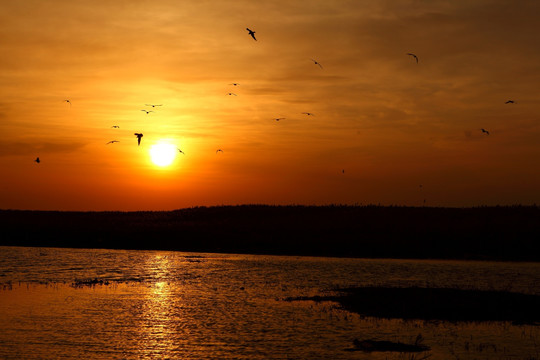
{"x":481,"y":233}
{"x":437,"y":304}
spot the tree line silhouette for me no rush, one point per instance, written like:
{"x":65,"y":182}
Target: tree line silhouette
{"x":490,"y":233}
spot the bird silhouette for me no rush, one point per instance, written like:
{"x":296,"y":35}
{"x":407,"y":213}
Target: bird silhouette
{"x":180,"y":151}
{"x":414,"y":56}
{"x":147,"y":111}
{"x":317,"y":63}
{"x":232,"y":94}
{"x":277,"y":119}
{"x":115,"y":127}
{"x":308,"y":114}
{"x":218,"y":150}
{"x":234,"y":84}
{"x":252,"y":33}
{"x":112,"y":142}
{"x":485,"y":131}
{"x":510,"y":102}
{"x":153,"y":105}
{"x":139,"y":136}
{"x":68,"y":101}
{"x":37,"y":160}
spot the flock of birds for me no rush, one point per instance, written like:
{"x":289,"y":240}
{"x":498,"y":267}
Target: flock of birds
{"x":252,"y":34}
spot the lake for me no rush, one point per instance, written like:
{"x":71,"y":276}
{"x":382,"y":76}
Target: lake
{"x":131,"y":304}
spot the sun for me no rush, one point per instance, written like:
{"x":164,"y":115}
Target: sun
{"x":163,"y":154}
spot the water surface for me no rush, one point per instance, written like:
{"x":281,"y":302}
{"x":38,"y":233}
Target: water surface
{"x":158,"y":304}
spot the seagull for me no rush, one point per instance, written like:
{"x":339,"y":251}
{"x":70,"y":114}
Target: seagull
{"x":218,"y":150}
{"x":68,"y":101}
{"x":147,"y":111}
{"x":235,"y":84}
{"x":153,"y":105}
{"x":112,"y":142}
{"x":139,"y":136}
{"x":414,"y":56}
{"x":510,"y":102}
{"x":317,"y":63}
{"x":232,"y":94}
{"x":252,"y":33}
{"x":277,"y":119}
{"x":308,"y":114}
{"x":115,"y":127}
{"x":485,"y":131}
{"x":180,"y":151}
{"x":37,"y":160}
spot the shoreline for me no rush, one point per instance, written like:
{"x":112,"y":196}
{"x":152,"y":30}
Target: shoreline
{"x":483,"y":233}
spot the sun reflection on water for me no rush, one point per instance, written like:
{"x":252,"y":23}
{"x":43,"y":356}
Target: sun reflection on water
{"x":158,"y":317}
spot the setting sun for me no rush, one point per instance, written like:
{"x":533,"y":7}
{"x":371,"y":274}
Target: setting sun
{"x":163,"y":154}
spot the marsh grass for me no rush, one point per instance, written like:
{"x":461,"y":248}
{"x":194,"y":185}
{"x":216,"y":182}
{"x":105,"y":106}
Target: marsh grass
{"x":437,"y":304}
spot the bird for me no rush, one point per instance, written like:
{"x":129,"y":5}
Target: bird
{"x":308,"y":114}
{"x":414,"y":56}
{"x":37,"y":160}
{"x":317,"y":63}
{"x":232,"y":94}
{"x":153,"y":105}
{"x":112,"y":142}
{"x":234,"y":84}
{"x":343,"y":171}
{"x":139,"y":136}
{"x":68,"y":101}
{"x":510,"y":102}
{"x":277,"y":119}
{"x":485,"y":131}
{"x":252,"y":33}
{"x":147,"y":111}
{"x":180,"y":151}
{"x":218,"y":150}
{"x":115,"y":127}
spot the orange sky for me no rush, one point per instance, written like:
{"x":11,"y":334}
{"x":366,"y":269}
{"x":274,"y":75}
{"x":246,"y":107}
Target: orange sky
{"x":390,"y":123}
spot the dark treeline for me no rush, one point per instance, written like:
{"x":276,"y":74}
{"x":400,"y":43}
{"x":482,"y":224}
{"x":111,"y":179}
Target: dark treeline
{"x":495,"y":233}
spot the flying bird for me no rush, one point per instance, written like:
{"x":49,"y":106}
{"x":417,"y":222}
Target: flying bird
{"x":147,"y":111}
{"x":308,"y":114}
{"x":232,"y":94}
{"x":317,"y":63}
{"x":510,"y":102}
{"x":277,"y":119}
{"x":252,"y":33}
{"x":37,"y":160}
{"x":485,"y":131}
{"x":235,"y":84}
{"x":68,"y":101}
{"x":414,"y":56}
{"x":112,"y":142}
{"x":115,"y":127}
{"x":180,"y":151}
{"x":218,"y":150}
{"x":153,"y":105}
{"x":139,"y":136}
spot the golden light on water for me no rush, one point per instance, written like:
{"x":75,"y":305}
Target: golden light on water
{"x":163,"y":154}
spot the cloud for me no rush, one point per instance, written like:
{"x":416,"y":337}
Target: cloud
{"x":29,"y":147}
